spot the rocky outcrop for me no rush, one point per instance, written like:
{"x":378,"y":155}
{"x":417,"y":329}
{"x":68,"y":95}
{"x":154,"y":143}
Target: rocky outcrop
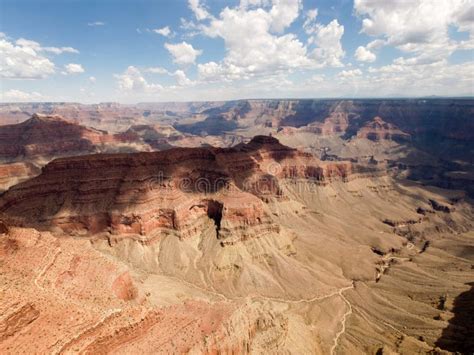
{"x":50,"y":136}
{"x":179,"y":190}
{"x":377,"y":129}
{"x":13,"y":173}
{"x":440,"y":207}
{"x":17,"y":321}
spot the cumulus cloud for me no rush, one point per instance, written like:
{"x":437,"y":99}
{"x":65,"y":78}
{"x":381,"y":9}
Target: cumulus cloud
{"x":157,"y":70}
{"x":182,"y":79}
{"x":420,"y":29}
{"x":362,"y":54}
{"x":257,"y":40}
{"x":73,"y":68}
{"x":183,"y":53}
{"x":253,"y":40}
{"x":199,"y":10}
{"x":164,"y":31}
{"x":214,"y":72}
{"x":347,"y":74}
{"x":329,"y":50}
{"x":283,"y":13}
{"x":421,"y":79}
{"x":132,"y":80}
{"x":92,"y":79}
{"x":23,"y":60}
{"x":310,"y":20}
{"x":417,"y":26}
{"x":20,"y":96}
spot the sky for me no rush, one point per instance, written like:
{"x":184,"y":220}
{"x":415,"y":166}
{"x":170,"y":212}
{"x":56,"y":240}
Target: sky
{"x":193,"y":50}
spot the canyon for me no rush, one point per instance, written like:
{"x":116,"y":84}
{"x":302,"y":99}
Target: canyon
{"x":249,"y":226}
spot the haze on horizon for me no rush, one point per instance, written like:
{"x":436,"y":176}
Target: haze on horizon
{"x":197,"y":50}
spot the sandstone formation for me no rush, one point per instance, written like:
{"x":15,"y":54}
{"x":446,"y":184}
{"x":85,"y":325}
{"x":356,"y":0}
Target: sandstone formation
{"x":49,"y":136}
{"x":109,"y":116}
{"x":377,"y":130}
{"x":172,"y":190}
{"x":13,"y":173}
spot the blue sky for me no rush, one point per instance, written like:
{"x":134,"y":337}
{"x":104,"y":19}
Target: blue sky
{"x":132,"y":51}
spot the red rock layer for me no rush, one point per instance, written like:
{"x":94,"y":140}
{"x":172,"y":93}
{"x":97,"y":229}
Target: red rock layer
{"x":13,"y":173}
{"x":378,"y":129}
{"x":49,"y":136}
{"x":177,"y":190}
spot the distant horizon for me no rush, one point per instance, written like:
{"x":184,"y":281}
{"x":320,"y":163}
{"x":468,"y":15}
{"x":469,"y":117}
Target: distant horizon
{"x":430,"y":97}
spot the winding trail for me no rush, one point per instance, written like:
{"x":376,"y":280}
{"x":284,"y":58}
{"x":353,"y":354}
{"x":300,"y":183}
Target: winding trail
{"x":344,"y":319}
{"x":260,"y":297}
{"x":305,"y":300}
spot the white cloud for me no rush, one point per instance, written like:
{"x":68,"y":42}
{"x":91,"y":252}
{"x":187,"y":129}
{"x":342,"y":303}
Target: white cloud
{"x":73,"y":68}
{"x":283,"y":13}
{"x":252,"y":47}
{"x":329,"y":50}
{"x":164,"y":31}
{"x":199,"y":10}
{"x":257,"y":43}
{"x":310,"y":20}
{"x":375,"y":44}
{"x":96,"y":23}
{"x":60,"y":50}
{"x":179,"y":75}
{"x":421,"y":79}
{"x":214,"y":72}
{"x":347,"y":74}
{"x":421,"y":29}
{"x":132,"y":80}
{"x":20,"y":96}
{"x":183,"y":53}
{"x":311,"y":14}
{"x":37,"y":47}
{"x":157,"y":70}
{"x":23,"y":60}
{"x":364,"y":55}
{"x":182,"y":79}
{"x":417,"y":26}
{"x":28,"y":44}
{"x":92,"y":79}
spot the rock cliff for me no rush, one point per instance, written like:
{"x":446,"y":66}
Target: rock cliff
{"x":176,"y":190}
{"x":49,"y":136}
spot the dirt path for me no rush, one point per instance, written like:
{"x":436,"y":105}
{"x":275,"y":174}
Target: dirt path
{"x":344,"y":319}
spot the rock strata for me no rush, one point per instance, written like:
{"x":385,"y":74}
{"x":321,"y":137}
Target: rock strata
{"x":178,"y":190}
{"x":50,"y":136}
